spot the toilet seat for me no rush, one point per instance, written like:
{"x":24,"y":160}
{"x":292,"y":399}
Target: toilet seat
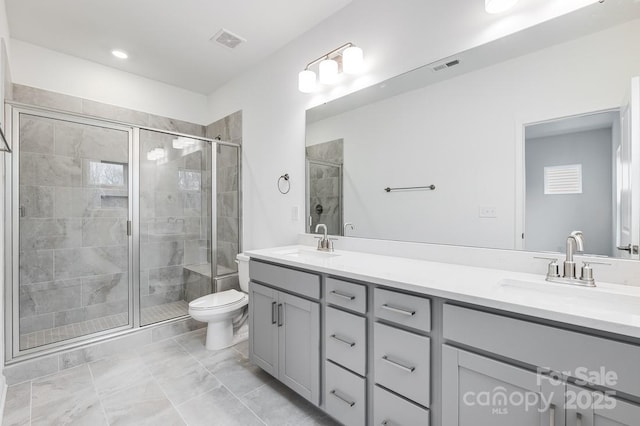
{"x":223,"y":299}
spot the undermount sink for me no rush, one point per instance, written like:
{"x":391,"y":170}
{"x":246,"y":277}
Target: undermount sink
{"x":306,"y":253}
{"x":596,"y":298}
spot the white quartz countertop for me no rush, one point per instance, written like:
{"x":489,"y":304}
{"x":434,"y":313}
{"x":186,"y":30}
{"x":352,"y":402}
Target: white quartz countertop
{"x":608,"y":307}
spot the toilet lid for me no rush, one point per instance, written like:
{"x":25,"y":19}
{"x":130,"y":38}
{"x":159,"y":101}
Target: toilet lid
{"x":215,"y":300}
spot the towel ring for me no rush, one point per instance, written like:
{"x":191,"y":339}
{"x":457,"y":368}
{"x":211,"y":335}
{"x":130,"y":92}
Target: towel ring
{"x":284,"y":185}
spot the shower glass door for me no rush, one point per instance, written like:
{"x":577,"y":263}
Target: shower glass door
{"x":227,"y":211}
{"x":73,"y":275}
{"x":175,"y":224}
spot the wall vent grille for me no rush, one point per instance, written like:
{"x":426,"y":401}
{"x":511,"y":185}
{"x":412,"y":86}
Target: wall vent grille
{"x":562,"y":180}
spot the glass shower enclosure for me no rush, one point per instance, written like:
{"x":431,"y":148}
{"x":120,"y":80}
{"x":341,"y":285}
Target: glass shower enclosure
{"x":112,"y":227}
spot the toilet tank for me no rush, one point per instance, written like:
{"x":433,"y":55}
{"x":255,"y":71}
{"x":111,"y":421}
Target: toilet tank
{"x":243,"y":271}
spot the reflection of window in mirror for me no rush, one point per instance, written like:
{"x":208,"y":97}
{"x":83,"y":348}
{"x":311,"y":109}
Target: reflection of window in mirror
{"x":570,"y":173}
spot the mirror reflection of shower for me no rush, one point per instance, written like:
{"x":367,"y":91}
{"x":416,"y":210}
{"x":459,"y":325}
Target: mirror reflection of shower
{"x":324,"y":172}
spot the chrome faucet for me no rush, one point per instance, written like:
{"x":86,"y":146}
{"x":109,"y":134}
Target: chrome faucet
{"x":324,"y":243}
{"x":345,"y":226}
{"x":575,"y":244}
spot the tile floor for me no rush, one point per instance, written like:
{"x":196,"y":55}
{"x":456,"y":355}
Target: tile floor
{"x":172,"y":382}
{"x":150,"y":315}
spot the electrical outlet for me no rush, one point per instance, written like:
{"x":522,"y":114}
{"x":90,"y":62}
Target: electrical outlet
{"x":295,"y":213}
{"x":487,"y":212}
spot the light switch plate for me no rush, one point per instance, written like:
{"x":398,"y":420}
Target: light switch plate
{"x":487,"y":212}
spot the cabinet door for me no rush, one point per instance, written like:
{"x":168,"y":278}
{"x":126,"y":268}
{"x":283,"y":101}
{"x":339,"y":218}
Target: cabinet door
{"x":299,"y":345}
{"x":263,"y":330}
{"x":589,"y":408}
{"x":479,"y":391}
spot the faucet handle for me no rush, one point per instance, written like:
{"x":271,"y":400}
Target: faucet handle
{"x":553,"y":270}
{"x":586,"y":273}
{"x":319,"y":242}
{"x":590,"y":262}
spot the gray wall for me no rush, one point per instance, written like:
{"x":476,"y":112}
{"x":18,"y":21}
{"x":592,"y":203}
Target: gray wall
{"x":550,"y":218}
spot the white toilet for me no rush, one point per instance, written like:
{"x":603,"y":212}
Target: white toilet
{"x":223,"y":310}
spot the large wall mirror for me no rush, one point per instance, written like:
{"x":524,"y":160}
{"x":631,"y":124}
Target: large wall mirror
{"x":512,"y":145}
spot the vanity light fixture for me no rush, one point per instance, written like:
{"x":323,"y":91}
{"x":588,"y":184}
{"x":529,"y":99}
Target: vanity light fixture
{"x":120,"y":54}
{"x":498,"y":6}
{"x":347,"y":58}
{"x":328,"y":71}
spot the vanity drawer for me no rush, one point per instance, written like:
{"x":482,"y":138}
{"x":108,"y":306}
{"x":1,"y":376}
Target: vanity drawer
{"x":402,"y":362}
{"x":576,"y":354}
{"x":345,"y":337}
{"x":345,"y":396}
{"x":404,"y":309}
{"x":347,"y":295}
{"x":291,"y":280}
{"x":390,"y":409}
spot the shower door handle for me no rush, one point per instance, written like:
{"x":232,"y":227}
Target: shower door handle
{"x":129,"y":225}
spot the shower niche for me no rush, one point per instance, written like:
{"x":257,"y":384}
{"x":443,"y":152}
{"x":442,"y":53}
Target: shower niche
{"x":113,"y":227}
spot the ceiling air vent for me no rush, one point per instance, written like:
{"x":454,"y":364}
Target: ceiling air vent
{"x":446,"y":65}
{"x":227,"y":39}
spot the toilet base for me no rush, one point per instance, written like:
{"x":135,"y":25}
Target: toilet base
{"x":219,"y":335}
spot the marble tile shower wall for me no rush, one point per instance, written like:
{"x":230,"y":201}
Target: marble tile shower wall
{"x":44,"y":98}
{"x":174,"y":220}
{"x":325,"y":185}
{"x":73,"y":240}
{"x":228,"y":129}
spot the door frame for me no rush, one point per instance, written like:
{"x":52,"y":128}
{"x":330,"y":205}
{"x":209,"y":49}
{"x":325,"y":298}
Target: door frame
{"x":520,"y":169}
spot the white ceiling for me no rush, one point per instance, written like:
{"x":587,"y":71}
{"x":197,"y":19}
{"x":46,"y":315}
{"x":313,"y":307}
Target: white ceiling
{"x":168,"y":40}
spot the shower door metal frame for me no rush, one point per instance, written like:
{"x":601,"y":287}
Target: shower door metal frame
{"x":214,"y":206}
{"x":12,"y":228}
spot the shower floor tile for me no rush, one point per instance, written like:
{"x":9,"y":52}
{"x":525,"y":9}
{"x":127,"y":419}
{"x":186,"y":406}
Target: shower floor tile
{"x":164,"y":312}
{"x":150,"y":315}
{"x":141,"y":387}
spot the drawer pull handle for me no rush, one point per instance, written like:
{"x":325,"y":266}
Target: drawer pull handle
{"x":342,"y":398}
{"x":273,"y":312}
{"x":342,"y":295}
{"x":346,"y":342}
{"x":398,"y":310}
{"x":280,"y":315}
{"x":398,"y":365}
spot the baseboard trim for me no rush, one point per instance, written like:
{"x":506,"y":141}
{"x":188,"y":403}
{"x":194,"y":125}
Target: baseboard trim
{"x":3,"y":395}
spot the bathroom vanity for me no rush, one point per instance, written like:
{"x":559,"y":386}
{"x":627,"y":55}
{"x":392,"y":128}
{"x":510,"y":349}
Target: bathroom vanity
{"x":380,"y":340}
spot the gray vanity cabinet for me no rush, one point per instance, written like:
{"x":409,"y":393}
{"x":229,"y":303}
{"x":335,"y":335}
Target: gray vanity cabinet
{"x":285,"y":338}
{"x":480,"y":391}
{"x":263,"y":344}
{"x":585,"y":407}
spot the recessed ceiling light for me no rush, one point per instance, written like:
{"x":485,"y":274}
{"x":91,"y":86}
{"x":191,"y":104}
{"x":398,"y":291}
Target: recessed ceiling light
{"x":119,"y":54}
